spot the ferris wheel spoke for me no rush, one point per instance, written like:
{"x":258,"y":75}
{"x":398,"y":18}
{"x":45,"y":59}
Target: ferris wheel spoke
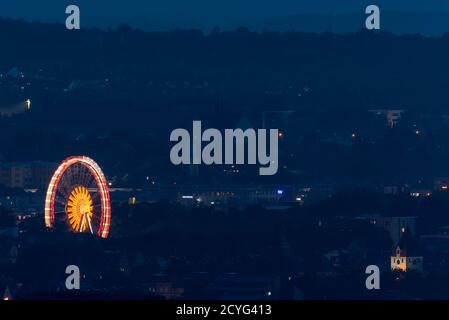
{"x":62,"y":194}
{"x":96,"y":195}
{"x":96,"y":201}
{"x":95,"y":218}
{"x":82,"y":177}
{"x":86,"y":177}
{"x":61,"y":202}
{"x":71,"y":174}
{"x":68,"y":186}
{"x":64,"y":182}
{"x":64,"y":188}
{"x":92,"y":180}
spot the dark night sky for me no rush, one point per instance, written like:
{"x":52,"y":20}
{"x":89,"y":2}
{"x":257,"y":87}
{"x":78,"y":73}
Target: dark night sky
{"x":167,"y":14}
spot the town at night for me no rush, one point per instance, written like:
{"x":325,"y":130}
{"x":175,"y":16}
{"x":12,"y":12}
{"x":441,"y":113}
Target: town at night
{"x":245,"y":152}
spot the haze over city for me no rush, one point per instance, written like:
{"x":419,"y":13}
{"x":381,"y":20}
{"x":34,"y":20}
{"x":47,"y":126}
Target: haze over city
{"x":401,"y":16}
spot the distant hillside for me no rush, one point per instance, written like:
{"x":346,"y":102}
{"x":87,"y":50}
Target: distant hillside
{"x":191,"y":73}
{"x":426,"y":23}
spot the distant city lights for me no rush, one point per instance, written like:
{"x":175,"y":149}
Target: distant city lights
{"x":28,"y":104}
{"x":280,"y":192}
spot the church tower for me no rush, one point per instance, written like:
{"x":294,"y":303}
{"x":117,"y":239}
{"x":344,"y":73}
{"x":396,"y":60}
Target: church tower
{"x":407,"y":255}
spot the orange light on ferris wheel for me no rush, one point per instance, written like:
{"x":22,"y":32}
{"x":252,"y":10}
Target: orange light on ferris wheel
{"x":78,"y":192}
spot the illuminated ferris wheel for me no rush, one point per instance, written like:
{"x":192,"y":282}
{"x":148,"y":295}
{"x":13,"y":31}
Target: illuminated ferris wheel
{"x":78,"y":196}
